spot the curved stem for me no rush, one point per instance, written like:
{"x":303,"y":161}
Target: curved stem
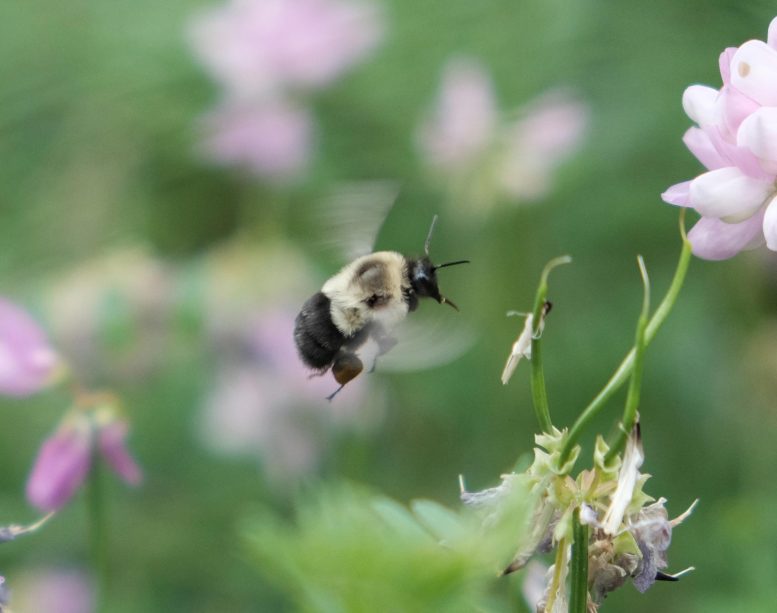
{"x":624,"y":370}
{"x":578,"y":601}
{"x":635,"y":384}
{"x":538,"y":390}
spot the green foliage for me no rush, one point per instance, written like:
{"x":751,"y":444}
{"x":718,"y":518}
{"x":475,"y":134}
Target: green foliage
{"x":352,"y":550}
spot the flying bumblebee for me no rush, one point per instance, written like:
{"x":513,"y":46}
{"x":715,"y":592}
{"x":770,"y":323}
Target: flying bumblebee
{"x":364,"y":302}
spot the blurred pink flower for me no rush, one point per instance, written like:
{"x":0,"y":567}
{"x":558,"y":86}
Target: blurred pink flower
{"x":736,"y":140}
{"x":65,"y":458}
{"x":256,"y":47}
{"x":462,"y":127}
{"x":272,"y":139}
{"x":53,"y":591}
{"x":27,"y":361}
{"x":467,"y":143}
{"x":549,"y":130}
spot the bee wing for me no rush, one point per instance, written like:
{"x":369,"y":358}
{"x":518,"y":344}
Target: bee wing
{"x":426,"y":342}
{"x":351,"y":217}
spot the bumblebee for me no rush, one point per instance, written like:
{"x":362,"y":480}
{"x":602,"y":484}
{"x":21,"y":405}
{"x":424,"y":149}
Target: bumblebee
{"x":366,"y":300}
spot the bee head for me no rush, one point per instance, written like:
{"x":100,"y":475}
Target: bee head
{"x":423,"y":279}
{"x":423,"y":274}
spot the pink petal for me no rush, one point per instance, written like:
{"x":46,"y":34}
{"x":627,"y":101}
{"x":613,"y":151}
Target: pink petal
{"x":754,"y":72}
{"x":678,"y":194}
{"x":728,"y":194}
{"x":770,"y":225}
{"x":740,"y":157}
{"x":61,"y":467}
{"x":701,"y":145}
{"x":758,"y":134}
{"x":725,"y":64}
{"x":712,"y":239}
{"x":771,"y":39}
{"x":113,"y":446}
{"x":27,"y":361}
{"x":699,"y":104}
{"x":732,"y":108}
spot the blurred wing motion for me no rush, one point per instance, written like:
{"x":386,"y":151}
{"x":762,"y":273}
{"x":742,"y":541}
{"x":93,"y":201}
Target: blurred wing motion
{"x":351,"y":217}
{"x":424,"y":342}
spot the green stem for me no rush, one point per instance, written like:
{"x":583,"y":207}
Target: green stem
{"x":579,"y":566}
{"x":626,"y":366}
{"x":635,"y":384}
{"x":98,"y":534}
{"x":538,"y":390}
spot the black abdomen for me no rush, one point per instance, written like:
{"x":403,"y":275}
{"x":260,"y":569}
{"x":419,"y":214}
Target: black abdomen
{"x":318,"y":339}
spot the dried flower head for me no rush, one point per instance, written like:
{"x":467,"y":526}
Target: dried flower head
{"x":629,"y":536}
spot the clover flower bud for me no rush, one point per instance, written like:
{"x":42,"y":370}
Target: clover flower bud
{"x":61,"y":466}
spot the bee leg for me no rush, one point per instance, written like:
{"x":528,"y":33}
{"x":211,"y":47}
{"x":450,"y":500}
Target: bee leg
{"x":333,"y":394}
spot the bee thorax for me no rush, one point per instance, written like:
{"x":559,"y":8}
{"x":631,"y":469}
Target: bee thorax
{"x":371,"y":288}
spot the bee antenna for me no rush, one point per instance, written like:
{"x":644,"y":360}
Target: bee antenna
{"x":429,"y":236}
{"x":451,"y":264}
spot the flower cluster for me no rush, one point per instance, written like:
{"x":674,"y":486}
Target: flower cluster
{"x":628,"y":536}
{"x":735,"y":138}
{"x":266,"y":55}
{"x":467,"y":143}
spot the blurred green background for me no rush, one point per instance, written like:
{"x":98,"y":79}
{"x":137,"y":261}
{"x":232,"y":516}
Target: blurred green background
{"x":99,"y":104}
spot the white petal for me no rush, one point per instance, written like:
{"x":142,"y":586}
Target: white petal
{"x":758,"y":133}
{"x":770,"y":225}
{"x":728,"y":194}
{"x":699,"y":103}
{"x":754,"y":72}
{"x":772,"y":38}
{"x":521,"y":349}
{"x":627,"y":481}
